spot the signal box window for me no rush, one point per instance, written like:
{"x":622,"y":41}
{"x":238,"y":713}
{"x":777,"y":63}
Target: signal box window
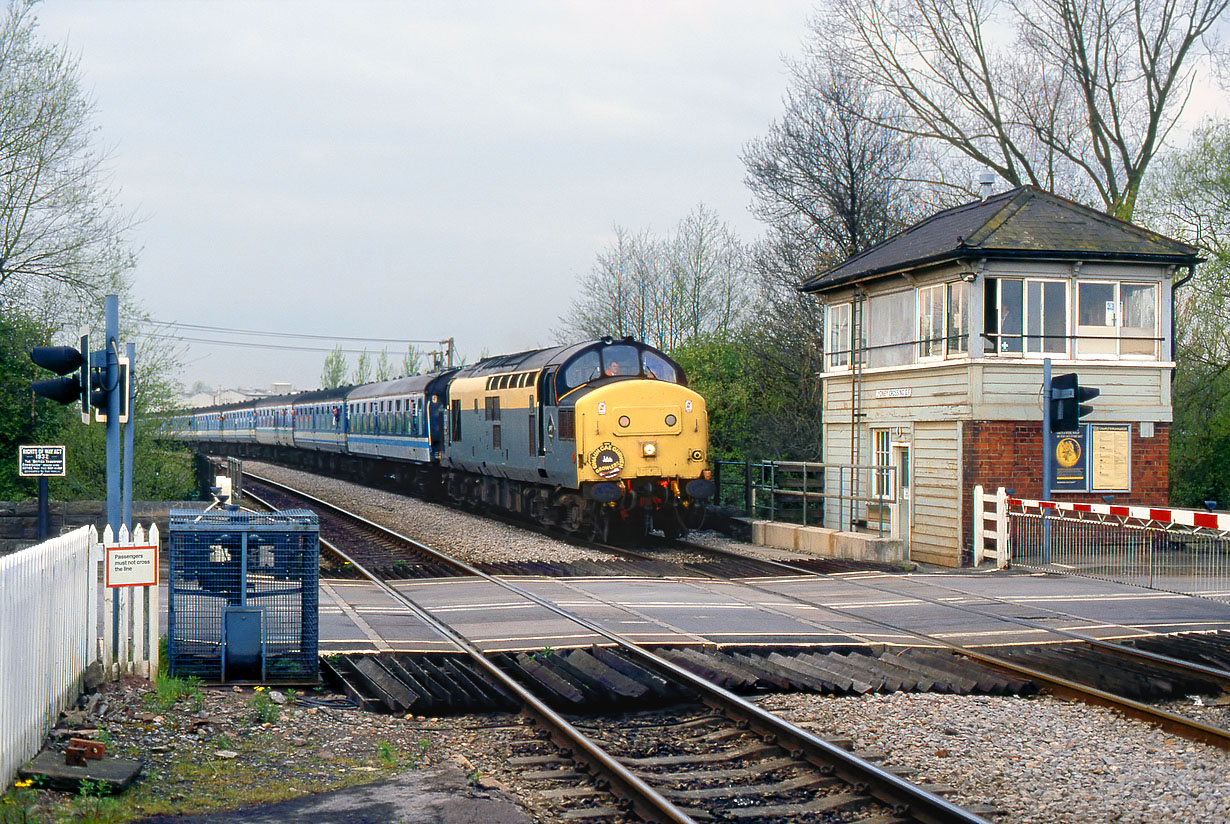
{"x":1117,"y":319}
{"x":838,"y":337}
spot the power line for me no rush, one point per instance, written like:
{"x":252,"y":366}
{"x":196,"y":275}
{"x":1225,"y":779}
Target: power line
{"x":177,"y":325}
{"x":256,"y":345}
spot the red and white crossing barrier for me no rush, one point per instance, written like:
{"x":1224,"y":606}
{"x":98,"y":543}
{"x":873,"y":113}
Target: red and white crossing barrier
{"x":1164,"y":516}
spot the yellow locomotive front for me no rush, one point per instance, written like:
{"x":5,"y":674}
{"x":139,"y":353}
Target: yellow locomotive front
{"x":642,"y":454}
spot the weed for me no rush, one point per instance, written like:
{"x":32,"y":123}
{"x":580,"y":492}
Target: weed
{"x":93,"y":789}
{"x":475,"y":775}
{"x":386,"y":753}
{"x":18,"y":806}
{"x":264,"y":709}
{"x":222,"y":742}
{"x":104,"y":735}
{"x":168,"y":690}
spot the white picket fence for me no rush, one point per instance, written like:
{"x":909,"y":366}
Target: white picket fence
{"x":49,"y":634}
{"x":991,"y":543}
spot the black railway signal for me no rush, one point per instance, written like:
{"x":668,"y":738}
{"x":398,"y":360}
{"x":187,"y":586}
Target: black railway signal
{"x":1067,"y":396}
{"x":62,"y":360}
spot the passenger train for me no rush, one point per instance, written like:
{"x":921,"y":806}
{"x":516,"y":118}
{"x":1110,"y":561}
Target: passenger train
{"x":602,"y":437}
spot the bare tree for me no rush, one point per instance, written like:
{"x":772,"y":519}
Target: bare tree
{"x":1079,"y":103}
{"x":705,"y":290}
{"x":829,"y":175}
{"x":614,"y":299}
{"x":61,"y":229}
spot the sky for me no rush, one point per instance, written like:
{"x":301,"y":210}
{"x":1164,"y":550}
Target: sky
{"x":414,"y":170}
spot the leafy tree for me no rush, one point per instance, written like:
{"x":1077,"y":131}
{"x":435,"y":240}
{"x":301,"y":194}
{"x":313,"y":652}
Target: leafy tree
{"x":334,"y":372}
{"x":63,"y":237}
{"x":411,"y":362}
{"x":24,"y":417}
{"x":1078,"y":103}
{"x":384,"y":368}
{"x":723,"y":371}
{"x":363,"y":369}
{"x":1190,"y":199}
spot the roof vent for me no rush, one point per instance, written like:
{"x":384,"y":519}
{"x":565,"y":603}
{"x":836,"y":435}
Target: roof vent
{"x":986,"y":183}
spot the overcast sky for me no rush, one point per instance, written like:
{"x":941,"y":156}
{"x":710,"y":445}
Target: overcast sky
{"x":412,"y":170}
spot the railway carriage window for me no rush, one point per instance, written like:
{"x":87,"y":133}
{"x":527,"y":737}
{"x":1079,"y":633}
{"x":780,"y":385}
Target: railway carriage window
{"x":581,"y":371}
{"x":567,"y":425}
{"x":455,"y":423}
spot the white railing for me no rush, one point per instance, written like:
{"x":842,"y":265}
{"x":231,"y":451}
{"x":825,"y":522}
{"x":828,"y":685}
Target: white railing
{"x":991,"y":543}
{"x":1175,"y":550}
{"x":49,"y":634}
{"x":45,"y":593}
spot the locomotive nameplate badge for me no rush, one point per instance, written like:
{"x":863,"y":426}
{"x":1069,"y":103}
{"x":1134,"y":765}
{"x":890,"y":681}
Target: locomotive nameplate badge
{"x":607,"y":461}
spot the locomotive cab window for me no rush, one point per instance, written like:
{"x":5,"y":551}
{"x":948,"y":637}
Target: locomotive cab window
{"x":585,"y":368}
{"x":657,"y":367}
{"x":620,"y":360}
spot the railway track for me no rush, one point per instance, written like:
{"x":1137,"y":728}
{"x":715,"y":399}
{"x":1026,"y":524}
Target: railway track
{"x":741,"y":763}
{"x":1122,"y":677}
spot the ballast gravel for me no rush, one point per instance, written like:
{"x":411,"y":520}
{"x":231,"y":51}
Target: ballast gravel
{"x":1033,"y":759}
{"x":471,"y":538}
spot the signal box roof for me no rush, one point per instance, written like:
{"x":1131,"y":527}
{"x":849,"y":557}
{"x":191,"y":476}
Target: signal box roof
{"x":1022,"y":223}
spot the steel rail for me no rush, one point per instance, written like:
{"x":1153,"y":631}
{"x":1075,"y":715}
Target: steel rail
{"x":886,"y":786}
{"x":1187,"y":727}
{"x":644,"y":799}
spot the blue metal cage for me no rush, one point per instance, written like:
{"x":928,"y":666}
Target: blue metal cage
{"x":243,"y":595}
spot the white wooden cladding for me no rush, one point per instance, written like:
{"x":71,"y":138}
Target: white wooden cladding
{"x":49,"y":634}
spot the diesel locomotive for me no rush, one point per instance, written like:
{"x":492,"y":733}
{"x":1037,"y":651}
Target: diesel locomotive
{"x":603,"y":437}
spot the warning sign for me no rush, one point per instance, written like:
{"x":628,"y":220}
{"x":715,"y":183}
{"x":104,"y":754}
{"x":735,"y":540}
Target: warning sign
{"x":40,"y":461}
{"x":132,"y":566}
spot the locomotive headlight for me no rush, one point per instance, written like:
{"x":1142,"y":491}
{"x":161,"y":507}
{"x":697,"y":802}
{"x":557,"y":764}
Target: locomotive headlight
{"x":671,"y":420}
{"x":649,"y":449}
